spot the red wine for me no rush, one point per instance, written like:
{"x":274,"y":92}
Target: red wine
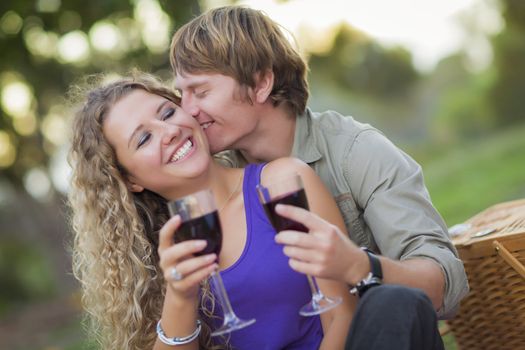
{"x":206,"y":227}
{"x":298,"y":199}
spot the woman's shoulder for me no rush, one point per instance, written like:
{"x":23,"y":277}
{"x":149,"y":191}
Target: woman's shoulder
{"x":282,"y":167}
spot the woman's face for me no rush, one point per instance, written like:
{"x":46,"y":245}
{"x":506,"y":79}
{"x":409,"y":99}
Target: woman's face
{"x":162,"y":148}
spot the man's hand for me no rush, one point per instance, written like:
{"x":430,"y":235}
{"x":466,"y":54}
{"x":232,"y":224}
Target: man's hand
{"x":324,"y":252}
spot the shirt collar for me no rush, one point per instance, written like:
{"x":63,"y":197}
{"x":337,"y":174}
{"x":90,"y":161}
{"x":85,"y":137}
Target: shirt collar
{"x":304,"y":145}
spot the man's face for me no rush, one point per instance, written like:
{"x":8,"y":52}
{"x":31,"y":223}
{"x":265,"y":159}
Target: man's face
{"x":217,"y":103}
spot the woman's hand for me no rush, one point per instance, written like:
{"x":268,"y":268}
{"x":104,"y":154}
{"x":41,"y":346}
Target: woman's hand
{"x":324,"y":252}
{"x":190,"y":270}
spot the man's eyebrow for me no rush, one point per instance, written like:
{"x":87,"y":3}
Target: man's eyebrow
{"x":193,"y":85}
{"x":141,"y":126}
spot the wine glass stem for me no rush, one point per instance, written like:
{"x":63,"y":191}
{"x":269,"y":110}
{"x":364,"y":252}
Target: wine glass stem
{"x":224,"y":301}
{"x":316,"y":292}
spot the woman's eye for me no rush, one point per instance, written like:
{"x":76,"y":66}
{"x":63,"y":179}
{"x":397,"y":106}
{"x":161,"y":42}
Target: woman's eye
{"x":143,"y":139}
{"x":168,"y":113}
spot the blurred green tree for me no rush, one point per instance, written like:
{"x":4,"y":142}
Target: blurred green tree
{"x":460,"y":112}
{"x":359,"y":64}
{"x":47,"y":45}
{"x":506,"y":94}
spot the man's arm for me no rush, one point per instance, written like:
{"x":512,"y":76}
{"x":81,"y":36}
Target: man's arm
{"x":328,"y":253}
{"x":410,"y":234}
{"x":406,"y":227}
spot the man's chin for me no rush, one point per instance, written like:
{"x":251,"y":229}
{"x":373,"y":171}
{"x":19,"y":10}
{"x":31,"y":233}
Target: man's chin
{"x":215,"y":150}
{"x":215,"y":143}
{"x":214,"y":146}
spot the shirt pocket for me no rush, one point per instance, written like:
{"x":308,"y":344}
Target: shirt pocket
{"x":353,"y":219}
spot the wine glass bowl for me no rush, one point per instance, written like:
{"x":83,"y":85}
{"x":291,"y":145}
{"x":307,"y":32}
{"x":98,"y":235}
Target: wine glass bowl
{"x":200,"y":220}
{"x":290,"y":191}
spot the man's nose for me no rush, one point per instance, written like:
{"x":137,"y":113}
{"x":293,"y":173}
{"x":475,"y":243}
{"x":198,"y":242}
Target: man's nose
{"x":189,"y":106}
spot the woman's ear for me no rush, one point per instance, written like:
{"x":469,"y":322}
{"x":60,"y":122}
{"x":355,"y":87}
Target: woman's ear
{"x":133,"y":186}
{"x":263,"y":85}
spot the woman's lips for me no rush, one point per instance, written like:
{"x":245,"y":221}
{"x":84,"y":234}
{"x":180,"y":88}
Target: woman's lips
{"x":182,"y":151}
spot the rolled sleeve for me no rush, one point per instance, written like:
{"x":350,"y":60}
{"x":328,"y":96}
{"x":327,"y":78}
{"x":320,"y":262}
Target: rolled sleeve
{"x":453,"y":270}
{"x":398,"y":211}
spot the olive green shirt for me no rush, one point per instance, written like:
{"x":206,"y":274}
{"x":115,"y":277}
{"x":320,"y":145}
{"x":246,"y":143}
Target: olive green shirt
{"x":381,"y":193}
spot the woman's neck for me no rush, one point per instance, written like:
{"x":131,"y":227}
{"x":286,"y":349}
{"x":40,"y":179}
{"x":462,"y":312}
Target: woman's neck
{"x":225,"y":183}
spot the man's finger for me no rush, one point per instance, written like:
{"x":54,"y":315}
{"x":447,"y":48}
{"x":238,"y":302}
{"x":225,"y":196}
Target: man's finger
{"x":303,"y":216}
{"x":302,"y":267}
{"x":300,"y":254}
{"x":298,"y":239}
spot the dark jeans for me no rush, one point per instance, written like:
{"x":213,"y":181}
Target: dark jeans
{"x":394,"y":317}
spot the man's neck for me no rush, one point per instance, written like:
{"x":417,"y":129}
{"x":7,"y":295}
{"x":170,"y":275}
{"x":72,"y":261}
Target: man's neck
{"x":272,"y":139}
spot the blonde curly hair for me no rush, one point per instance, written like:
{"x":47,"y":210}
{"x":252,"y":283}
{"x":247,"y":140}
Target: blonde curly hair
{"x":116,"y":231}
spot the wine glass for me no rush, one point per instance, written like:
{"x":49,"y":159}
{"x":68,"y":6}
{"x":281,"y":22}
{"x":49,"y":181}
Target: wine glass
{"x":200,"y":220}
{"x":290,"y":191}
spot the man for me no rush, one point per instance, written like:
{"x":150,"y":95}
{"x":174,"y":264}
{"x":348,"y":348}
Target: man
{"x":246,"y":85}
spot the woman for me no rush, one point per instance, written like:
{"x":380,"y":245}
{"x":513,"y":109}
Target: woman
{"x":133,"y":149}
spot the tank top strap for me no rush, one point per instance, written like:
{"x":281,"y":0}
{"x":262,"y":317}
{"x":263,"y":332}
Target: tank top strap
{"x":252,"y":177}
{"x":255,"y":216}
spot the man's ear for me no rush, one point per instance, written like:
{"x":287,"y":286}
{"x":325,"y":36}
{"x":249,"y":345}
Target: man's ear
{"x":133,"y":186}
{"x":263,"y":85}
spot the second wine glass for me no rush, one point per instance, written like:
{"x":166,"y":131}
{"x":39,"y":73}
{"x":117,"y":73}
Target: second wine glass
{"x":200,"y":220}
{"x":290,"y":191}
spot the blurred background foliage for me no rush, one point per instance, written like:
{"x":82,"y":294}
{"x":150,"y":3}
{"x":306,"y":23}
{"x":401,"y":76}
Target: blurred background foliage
{"x":464,"y":124}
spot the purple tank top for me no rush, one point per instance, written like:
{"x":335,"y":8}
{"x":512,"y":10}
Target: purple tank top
{"x":261,"y":285}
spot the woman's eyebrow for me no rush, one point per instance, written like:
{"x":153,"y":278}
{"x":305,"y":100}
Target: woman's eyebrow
{"x":141,"y":126}
{"x":161,"y":105}
{"x":137,"y":129}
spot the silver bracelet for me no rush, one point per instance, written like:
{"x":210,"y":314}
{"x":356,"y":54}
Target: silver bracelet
{"x":178,"y":341}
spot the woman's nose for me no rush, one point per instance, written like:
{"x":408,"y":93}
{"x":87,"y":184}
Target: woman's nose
{"x":170,"y":132}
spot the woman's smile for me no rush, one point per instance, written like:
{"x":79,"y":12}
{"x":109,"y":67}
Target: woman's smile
{"x":183,"y":151}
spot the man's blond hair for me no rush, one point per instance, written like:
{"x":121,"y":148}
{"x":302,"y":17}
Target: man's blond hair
{"x":241,"y":43}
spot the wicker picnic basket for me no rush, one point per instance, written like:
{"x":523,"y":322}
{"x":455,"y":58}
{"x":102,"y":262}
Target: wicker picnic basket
{"x":492,"y":316}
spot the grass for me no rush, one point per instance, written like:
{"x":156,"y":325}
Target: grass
{"x":477,"y":175}
{"x":474,"y":176}
{"x":448,"y":340}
